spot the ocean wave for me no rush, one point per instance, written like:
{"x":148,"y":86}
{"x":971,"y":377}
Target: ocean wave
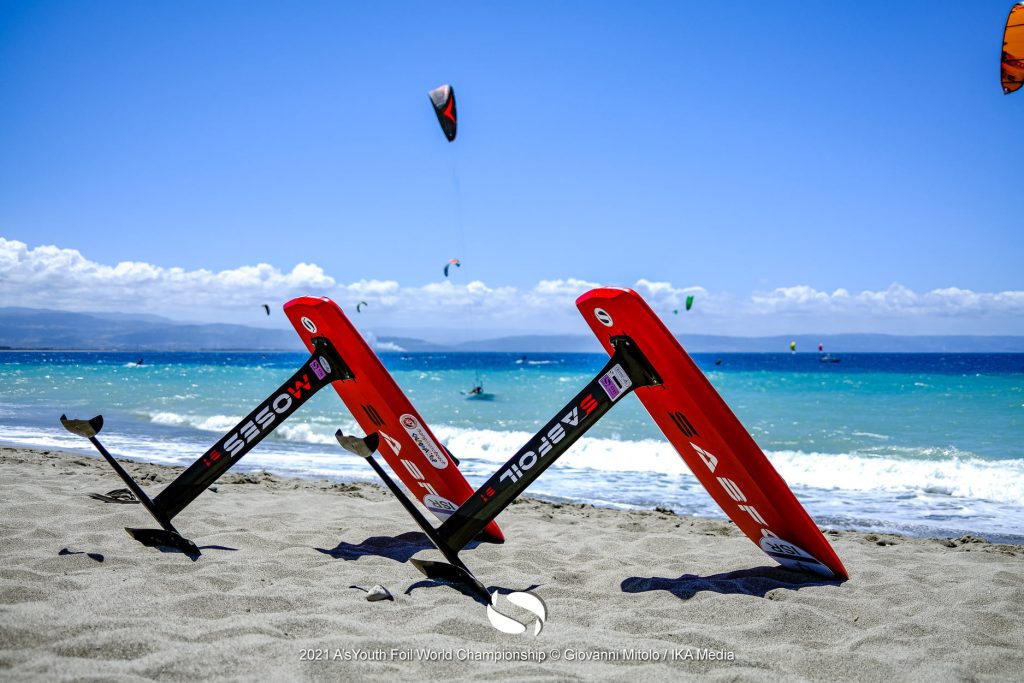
{"x":118,"y":443}
{"x":955,"y":476}
{"x":872,"y":435}
{"x":847,"y":490}
{"x":591,"y":453}
{"x":314,"y":429}
{"x":37,"y":438}
{"x":209,"y":423}
{"x":932,"y":471}
{"x":305,"y":433}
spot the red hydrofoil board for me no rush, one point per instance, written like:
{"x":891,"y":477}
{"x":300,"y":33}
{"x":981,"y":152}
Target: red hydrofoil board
{"x":373,"y":398}
{"x":710,"y":439}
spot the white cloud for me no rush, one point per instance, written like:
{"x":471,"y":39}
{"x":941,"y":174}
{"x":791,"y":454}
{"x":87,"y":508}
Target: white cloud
{"x":52,"y":277}
{"x":896,"y":300}
{"x":569,"y":287}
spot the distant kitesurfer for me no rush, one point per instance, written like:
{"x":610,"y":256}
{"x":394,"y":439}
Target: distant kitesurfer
{"x":476,"y":391}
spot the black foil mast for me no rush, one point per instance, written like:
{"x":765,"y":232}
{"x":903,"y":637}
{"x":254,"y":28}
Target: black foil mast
{"x":320,"y":369}
{"x":625,"y":371}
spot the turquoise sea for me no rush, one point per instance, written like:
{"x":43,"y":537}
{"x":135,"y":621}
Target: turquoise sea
{"x":922,"y":444}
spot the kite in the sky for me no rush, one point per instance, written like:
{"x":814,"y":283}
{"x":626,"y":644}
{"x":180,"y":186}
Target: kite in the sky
{"x":443,"y":99}
{"x":689,"y":304}
{"x":452,"y":262}
{"x":1012,"y":66}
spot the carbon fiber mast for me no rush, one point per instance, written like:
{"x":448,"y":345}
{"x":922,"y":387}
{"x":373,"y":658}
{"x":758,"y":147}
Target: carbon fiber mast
{"x":456,"y":571}
{"x":625,"y":371}
{"x":322,"y":368}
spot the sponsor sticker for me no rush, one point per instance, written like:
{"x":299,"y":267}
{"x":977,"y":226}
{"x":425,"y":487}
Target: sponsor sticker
{"x":308,"y":324}
{"x":793,"y":557}
{"x":615,"y":382}
{"x":440,"y":506}
{"x":314,"y":365}
{"x":603,"y":317}
{"x":324,"y":364}
{"x":426,"y":445}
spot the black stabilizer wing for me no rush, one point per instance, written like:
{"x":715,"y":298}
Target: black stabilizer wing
{"x":84,"y":428}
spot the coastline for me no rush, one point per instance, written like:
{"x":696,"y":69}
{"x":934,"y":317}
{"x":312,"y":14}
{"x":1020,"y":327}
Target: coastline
{"x":280,"y":591}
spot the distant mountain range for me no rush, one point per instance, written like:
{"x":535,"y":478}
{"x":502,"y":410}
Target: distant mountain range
{"x":28,"y":328}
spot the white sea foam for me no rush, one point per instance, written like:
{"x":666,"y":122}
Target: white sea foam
{"x":592,"y":453}
{"x":886,"y":468}
{"x":210,"y":423}
{"x":872,"y":435}
{"x":306,"y":433}
{"x":933,"y":471}
{"x":314,"y":429}
{"x":151,"y":450}
{"x":36,"y":438}
{"x":959,"y":477}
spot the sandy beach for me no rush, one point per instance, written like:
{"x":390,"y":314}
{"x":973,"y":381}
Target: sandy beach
{"x":280,"y":592}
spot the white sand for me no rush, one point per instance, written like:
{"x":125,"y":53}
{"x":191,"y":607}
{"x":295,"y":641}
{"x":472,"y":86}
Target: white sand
{"x":281,"y":582}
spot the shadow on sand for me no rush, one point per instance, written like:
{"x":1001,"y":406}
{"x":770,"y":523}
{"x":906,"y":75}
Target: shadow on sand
{"x":400,"y":548}
{"x":756,"y":581}
{"x":162,"y":548}
{"x":94,"y":556}
{"x":466,"y":590}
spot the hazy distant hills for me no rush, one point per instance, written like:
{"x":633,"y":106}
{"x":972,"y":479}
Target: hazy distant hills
{"x":26,"y":328}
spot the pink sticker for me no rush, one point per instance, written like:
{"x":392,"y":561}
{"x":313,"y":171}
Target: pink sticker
{"x":317,"y":370}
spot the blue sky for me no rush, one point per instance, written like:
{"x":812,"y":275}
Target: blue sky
{"x":803,"y":167}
